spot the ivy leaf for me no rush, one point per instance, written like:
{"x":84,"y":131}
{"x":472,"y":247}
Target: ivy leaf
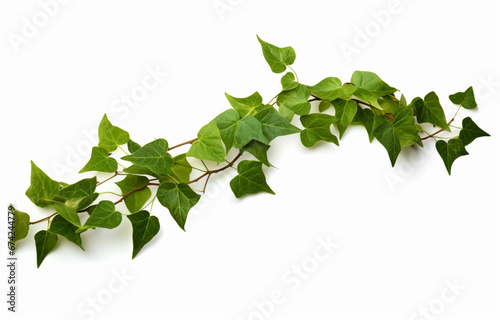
{"x":430,"y":110}
{"x":258,"y":150}
{"x":317,"y":128}
{"x":370,"y":87}
{"x":345,"y":111}
{"x":209,"y":145}
{"x":135,"y":169}
{"x":286,"y":113}
{"x":103,"y":216}
{"x":144,"y":228}
{"x":274,"y":125}
{"x":68,"y":211}
{"x":388,"y":137}
{"x":182,"y":168}
{"x":138,"y":198}
{"x":21,"y":225}
{"x":100,"y":161}
{"x":296,"y":99}
{"x":331,"y":88}
{"x":62,"y":227}
{"x":250,"y":179}
{"x":465,"y":99}
{"x":246,"y":106}
{"x":110,"y":137}
{"x":288,"y":81}
{"x":42,"y":188}
{"x":133,"y":146}
{"x":45,"y":242}
{"x":324,"y":105}
{"x":178,"y":199}
{"x":236,"y":132}
{"x":404,"y":125}
{"x":389,"y":104}
{"x":470,"y":131}
{"x":80,"y":194}
{"x":277,"y":58}
{"x":450,"y":151}
{"x":153,"y":156}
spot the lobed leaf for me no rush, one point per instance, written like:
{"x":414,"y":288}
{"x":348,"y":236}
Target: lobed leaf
{"x":246,"y":106}
{"x":100,"y":161}
{"x":250,"y":179}
{"x":317,"y":128}
{"x":274,"y":125}
{"x":465,"y":99}
{"x":450,"y":151}
{"x":178,"y":199}
{"x":110,"y":137}
{"x":277,"y":58}
{"x":144,"y":228}
{"x":430,"y":110}
{"x":288,"y":81}
{"x":103,"y":216}
{"x":64,"y":228}
{"x":470,"y":131}
{"x":345,"y":111}
{"x":209,"y":144}
{"x":296,"y":100}
{"x":153,"y":156}
{"x":370,"y":87}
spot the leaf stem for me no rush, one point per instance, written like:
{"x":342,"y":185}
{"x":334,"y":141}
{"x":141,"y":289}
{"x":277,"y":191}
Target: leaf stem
{"x":114,"y":175}
{"x":184,"y":143}
{"x":440,"y":130}
{"x":210,"y":172}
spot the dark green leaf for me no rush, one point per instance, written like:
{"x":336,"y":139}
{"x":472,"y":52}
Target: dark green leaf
{"x":296,"y":99}
{"x":344,"y":113}
{"x":62,"y":227}
{"x":153,"y":156}
{"x":80,"y":194}
{"x":369,"y":120}
{"x":317,"y":128}
{"x":135,"y":169}
{"x":465,"y":99}
{"x":133,"y":146}
{"x":450,"y":151}
{"x":470,"y":131}
{"x":430,"y":110}
{"x":21,"y":225}
{"x":103,"y":216}
{"x":388,"y":137}
{"x":404,"y":125}
{"x":250,"y":179}
{"x":45,"y":242}
{"x":246,"y":106}
{"x":42,"y":188}
{"x":144,"y":228}
{"x":110,"y":137}
{"x":178,"y":199}
{"x":236,"y":132}
{"x":288,"y":81}
{"x":258,"y":150}
{"x":370,"y":87}
{"x":274,"y":125}
{"x":209,"y":144}
{"x":277,"y":58}
{"x":100,"y":161}
{"x":331,"y":88}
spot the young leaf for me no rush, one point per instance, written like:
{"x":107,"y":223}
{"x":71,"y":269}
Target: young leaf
{"x":178,"y":199}
{"x":317,"y":128}
{"x":42,"y":188}
{"x":103,"y":216}
{"x":182,"y":168}
{"x":153,"y":156}
{"x":388,"y":104}
{"x":100,"y":161}
{"x":110,"y":137}
{"x":288,"y":81}
{"x":236,"y":132}
{"x":470,"y":131}
{"x":138,"y":198}
{"x":62,"y":227}
{"x":45,"y":242}
{"x":246,"y":106}
{"x":250,"y":179}
{"x":344,"y":113}
{"x":465,"y":99}
{"x":274,"y":125}
{"x":258,"y":150}
{"x":450,"y":151}
{"x":21,"y":225}
{"x":430,"y":110}
{"x":144,"y":228}
{"x":209,"y":144}
{"x":277,"y":58}
{"x":296,"y":100}
{"x":388,"y":137}
{"x":324,"y":105}
{"x":370,"y":87}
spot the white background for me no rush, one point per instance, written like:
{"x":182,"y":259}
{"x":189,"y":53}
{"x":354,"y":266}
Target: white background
{"x":402,"y":232}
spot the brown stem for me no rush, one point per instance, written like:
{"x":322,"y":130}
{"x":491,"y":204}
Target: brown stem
{"x":184,"y":143}
{"x":361,"y":102}
{"x":44,"y":219}
{"x":437,"y":132}
{"x":210,"y":172}
{"x":116,"y":173}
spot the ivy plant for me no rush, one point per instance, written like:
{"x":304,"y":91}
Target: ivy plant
{"x":154,"y":171}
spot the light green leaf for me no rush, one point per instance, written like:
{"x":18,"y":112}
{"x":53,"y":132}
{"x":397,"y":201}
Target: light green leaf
{"x":277,"y":58}
{"x":470,"y":131}
{"x":138,"y":198}
{"x":110,"y":137}
{"x":135,"y":169}
{"x":209,"y":144}
{"x":296,"y":99}
{"x":100,"y":161}
{"x":80,"y":194}
{"x":274,"y":125}
{"x":42,"y":188}
{"x":45,"y":242}
{"x":345,"y":111}
{"x":430,"y":110}
{"x":144,"y":228}
{"x":182,"y":168}
{"x":288,"y":81}
{"x":246,"y":106}
{"x":317,"y":128}
{"x":388,"y":104}
{"x":236,"y":132}
{"x":370,"y":87}
{"x":250,"y":179}
{"x":324,"y":105}
{"x":68,"y":211}
{"x":404,"y":125}
{"x":286,"y":113}
{"x":178,"y":199}
{"x":331,"y":88}
{"x":103,"y":216}
{"x":21,"y":225}
{"x":258,"y":150}
{"x":388,"y":137}
{"x":450,"y":151}
{"x":465,"y":99}
{"x":62,"y":227}
{"x":153,"y":156}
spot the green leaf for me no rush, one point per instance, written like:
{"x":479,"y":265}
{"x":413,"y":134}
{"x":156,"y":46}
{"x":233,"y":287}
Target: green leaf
{"x":470,"y":131}
{"x":344,"y":113}
{"x":317,"y":128}
{"x":144,"y":228}
{"x":258,"y":150}
{"x":80,"y":194}
{"x":153,"y":156}
{"x":236,"y":132}
{"x":45,"y":242}
{"x":369,"y":120}
{"x":68,"y":211}
{"x":286,"y":113}
{"x":450,"y":151}
{"x":274,"y":125}
{"x":388,"y":104}
{"x":42,"y":188}
{"x":250,"y":179}
{"x":465,"y":99}
{"x":62,"y":227}
{"x":110,"y":137}
{"x":100,"y":161}
{"x":331,"y":88}
{"x":288,"y":81}
{"x":138,"y":198}
{"x":430,"y":110}
{"x":404,"y":125}
{"x":182,"y":168}
{"x":178,"y":199}
{"x":388,"y":137}
{"x":21,"y":225}
{"x":246,"y":106}
{"x":370,"y":87}
{"x":209,"y":144}
{"x":324,"y":105}
{"x":133,"y":146}
{"x":296,"y":99}
{"x":135,"y":169}
{"x":277,"y":58}
{"x":103,"y":216}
